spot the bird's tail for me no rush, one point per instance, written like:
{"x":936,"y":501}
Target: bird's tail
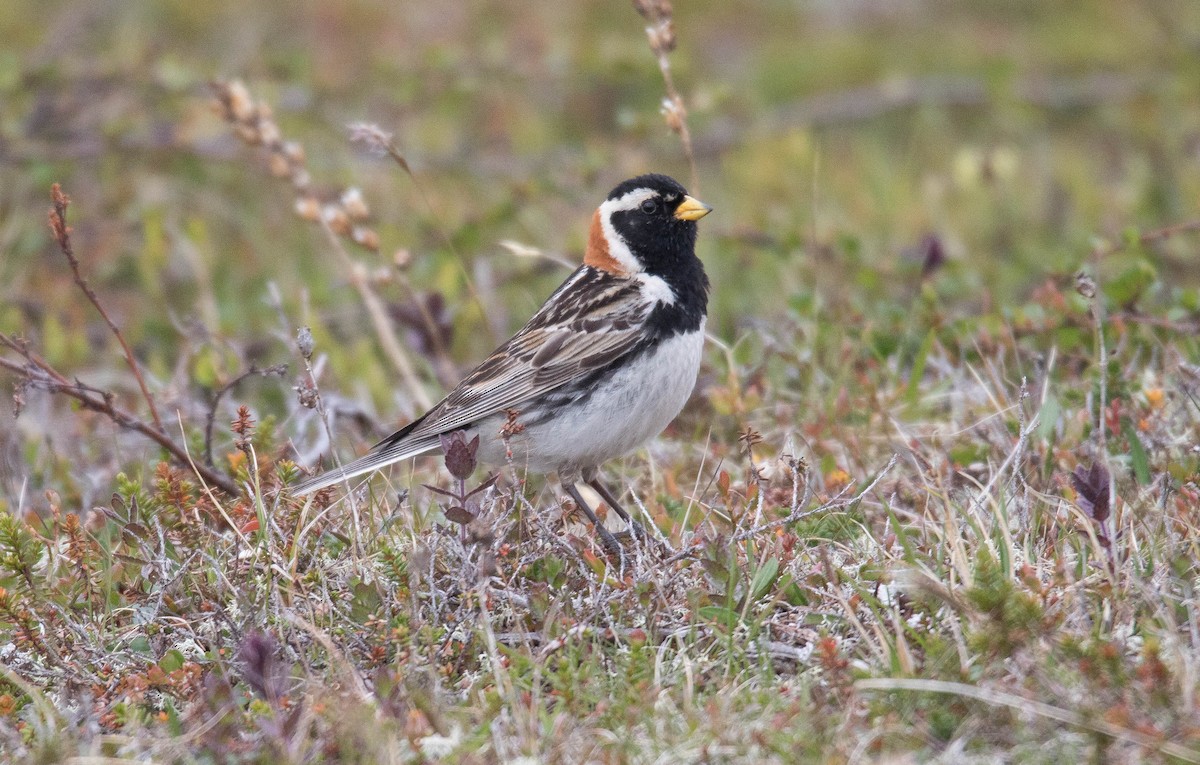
{"x":382,"y":455}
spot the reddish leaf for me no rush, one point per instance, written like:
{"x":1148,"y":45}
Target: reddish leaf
{"x":933,"y":255}
{"x":459,"y":515}
{"x":260,"y":669}
{"x":460,"y":454}
{"x":1092,"y":486}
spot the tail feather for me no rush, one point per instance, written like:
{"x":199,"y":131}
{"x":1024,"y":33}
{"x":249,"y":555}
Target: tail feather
{"x":385,"y":453}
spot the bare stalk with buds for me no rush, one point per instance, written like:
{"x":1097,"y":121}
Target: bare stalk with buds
{"x":661,"y":34}
{"x":343,"y":217}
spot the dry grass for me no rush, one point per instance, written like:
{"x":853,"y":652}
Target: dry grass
{"x":930,"y":503}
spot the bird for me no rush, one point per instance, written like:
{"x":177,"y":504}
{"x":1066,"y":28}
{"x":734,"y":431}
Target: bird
{"x":602,"y":367}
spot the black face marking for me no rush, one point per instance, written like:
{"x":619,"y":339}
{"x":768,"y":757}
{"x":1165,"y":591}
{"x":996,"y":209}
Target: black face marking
{"x":665,"y":247}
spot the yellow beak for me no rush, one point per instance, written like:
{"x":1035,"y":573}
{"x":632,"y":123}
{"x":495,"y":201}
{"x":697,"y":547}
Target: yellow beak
{"x":691,"y":209}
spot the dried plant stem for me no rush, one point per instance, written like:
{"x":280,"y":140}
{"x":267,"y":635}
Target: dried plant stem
{"x":798,"y":514}
{"x":661,"y":35}
{"x":674,"y":106}
{"x":62,"y":234}
{"x":255,"y":124}
{"x":38,"y":373}
{"x":379,"y":320}
{"x":1102,"y":353}
{"x":389,"y":146}
{"x":351,"y":497}
{"x":1149,"y":237}
{"x":279,"y":370}
{"x":1087,"y":287}
{"x":1023,"y":704}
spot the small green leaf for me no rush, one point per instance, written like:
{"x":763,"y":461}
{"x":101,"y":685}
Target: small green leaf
{"x":1131,"y":283}
{"x":1048,"y":417}
{"x":918,"y":370}
{"x":764,"y":577}
{"x":365,"y":601}
{"x":171,"y":661}
{"x":726,"y":617}
{"x":1137,"y":453}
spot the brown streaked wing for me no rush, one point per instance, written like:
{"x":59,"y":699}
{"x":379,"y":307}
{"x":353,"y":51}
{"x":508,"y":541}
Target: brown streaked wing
{"x":593,"y":320}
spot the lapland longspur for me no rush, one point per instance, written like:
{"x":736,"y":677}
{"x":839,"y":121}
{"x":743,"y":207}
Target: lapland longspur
{"x":603,"y":366}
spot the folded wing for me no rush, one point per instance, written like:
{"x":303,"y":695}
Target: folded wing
{"x":594,"y":319}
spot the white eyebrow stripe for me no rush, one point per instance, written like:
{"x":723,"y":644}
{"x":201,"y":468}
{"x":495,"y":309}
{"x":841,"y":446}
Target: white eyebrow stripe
{"x":617,"y":247}
{"x":629,"y":200}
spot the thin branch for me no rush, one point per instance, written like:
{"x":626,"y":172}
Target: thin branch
{"x":255,"y":124}
{"x":62,"y":234}
{"x":37,"y":372}
{"x":279,"y":370}
{"x":661,"y":35}
{"x":380,"y":140}
{"x":1022,"y":704}
{"x":1149,"y":237}
{"x":841,"y":500}
{"x":386,"y":334}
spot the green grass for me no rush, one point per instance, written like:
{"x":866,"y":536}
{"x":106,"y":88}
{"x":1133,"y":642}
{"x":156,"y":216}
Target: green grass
{"x":899,"y":565}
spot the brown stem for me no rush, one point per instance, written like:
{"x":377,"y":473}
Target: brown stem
{"x":62,"y":234}
{"x":393,"y":151}
{"x":38,"y":372}
{"x":661,"y":36}
{"x":279,"y":370}
{"x":379,"y":319}
{"x":1166,"y":232}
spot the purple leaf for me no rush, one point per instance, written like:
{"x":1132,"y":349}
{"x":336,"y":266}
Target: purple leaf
{"x":460,"y":454}
{"x":1092,"y":487}
{"x":260,"y":670}
{"x":933,"y":254}
{"x":459,"y":515}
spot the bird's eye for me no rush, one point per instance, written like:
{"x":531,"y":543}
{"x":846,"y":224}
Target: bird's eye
{"x":650,"y":206}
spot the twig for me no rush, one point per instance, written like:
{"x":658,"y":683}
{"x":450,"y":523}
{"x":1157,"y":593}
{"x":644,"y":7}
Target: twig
{"x":278,"y":370}
{"x":62,"y":234}
{"x":838,"y":501}
{"x":1013,"y":459}
{"x":255,"y":124}
{"x":1023,"y":704}
{"x":1085,"y":285}
{"x":1149,"y":237}
{"x":39,"y":373}
{"x":380,"y":140}
{"x":841,"y":500}
{"x":310,"y":397}
{"x":395,"y":352}
{"x":661,"y":34}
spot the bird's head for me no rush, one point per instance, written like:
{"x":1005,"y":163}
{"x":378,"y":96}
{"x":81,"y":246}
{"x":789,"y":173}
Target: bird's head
{"x":646,"y":225}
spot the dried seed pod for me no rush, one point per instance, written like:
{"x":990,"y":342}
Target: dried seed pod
{"x":279,"y":166}
{"x":354,"y":204}
{"x":1085,"y":285}
{"x":365,"y":237}
{"x":336,"y":218}
{"x":241,"y":106}
{"x":304,"y":342}
{"x":308,"y":208}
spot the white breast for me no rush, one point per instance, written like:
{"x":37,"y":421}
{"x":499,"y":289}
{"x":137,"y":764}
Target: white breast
{"x":629,"y":408}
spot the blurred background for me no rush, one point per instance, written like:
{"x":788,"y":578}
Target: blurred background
{"x":866,"y":158}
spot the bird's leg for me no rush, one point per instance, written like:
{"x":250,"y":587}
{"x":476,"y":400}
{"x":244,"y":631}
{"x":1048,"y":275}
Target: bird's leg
{"x":610,"y":542}
{"x":592,"y":477}
{"x":611,"y":500}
